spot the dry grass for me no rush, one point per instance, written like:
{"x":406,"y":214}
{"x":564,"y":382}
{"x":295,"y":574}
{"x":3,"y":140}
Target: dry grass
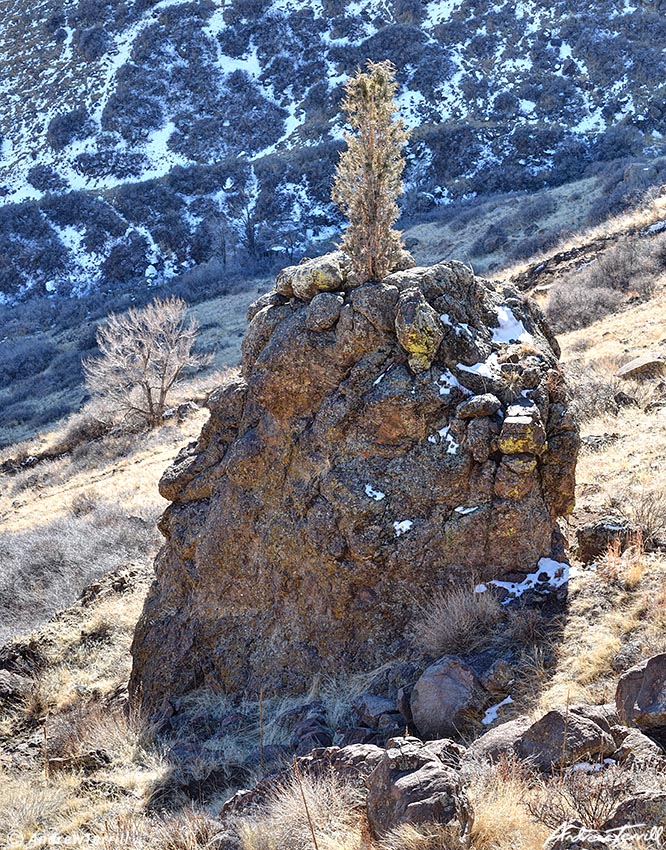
{"x":502,"y":820}
{"x":335,"y":814}
{"x":44,"y":569}
{"x":457,"y":620}
{"x":615,"y":617}
{"x":425,"y":837}
{"x":653,"y":210}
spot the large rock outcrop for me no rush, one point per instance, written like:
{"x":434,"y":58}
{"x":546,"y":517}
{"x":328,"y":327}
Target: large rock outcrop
{"x":382,"y":440}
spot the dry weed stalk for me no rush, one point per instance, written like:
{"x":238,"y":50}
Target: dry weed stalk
{"x":297,"y":774}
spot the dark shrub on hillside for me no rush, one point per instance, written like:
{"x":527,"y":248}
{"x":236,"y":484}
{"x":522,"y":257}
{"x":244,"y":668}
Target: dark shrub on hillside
{"x":60,"y":558}
{"x":400,"y":43}
{"x":531,"y":246}
{"x":44,"y":178}
{"x":23,"y":358}
{"x":63,"y":129}
{"x":570,"y":160}
{"x":55,"y":21}
{"x":126,"y":261}
{"x":617,"y":142}
{"x":24,"y":220}
{"x":110,"y":162}
{"x":575,"y":305}
{"x":199,"y":179}
{"x":93,"y":43}
{"x":81,"y":209}
{"x":146,"y":203}
{"x":492,"y":240}
{"x":89,"y":13}
{"x":11,"y":278}
{"x":535,"y":209}
{"x":235,"y":41}
{"x":454,"y":146}
{"x":616,"y":201}
{"x":410,"y":12}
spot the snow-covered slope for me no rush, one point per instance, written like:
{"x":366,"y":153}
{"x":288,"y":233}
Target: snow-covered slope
{"x":140,"y":138}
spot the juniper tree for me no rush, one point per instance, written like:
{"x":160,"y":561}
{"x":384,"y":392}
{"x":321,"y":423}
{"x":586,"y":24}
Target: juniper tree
{"x":368,"y":181}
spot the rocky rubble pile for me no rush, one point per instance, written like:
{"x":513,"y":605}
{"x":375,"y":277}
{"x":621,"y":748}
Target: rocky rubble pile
{"x":383,"y":440}
{"x":411,"y":781}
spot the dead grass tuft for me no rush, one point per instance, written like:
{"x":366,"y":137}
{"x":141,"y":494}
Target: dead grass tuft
{"x":502,"y":820}
{"x":334,"y":808}
{"x":457,"y":620}
{"x":423,"y":837}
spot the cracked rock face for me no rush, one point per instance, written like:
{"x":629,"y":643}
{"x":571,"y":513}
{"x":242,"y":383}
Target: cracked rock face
{"x":383,"y":439}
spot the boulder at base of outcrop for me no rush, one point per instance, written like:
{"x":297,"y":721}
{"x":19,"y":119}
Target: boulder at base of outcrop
{"x":446,"y":698}
{"x":594,"y":538}
{"x":645,"y":366}
{"x":641,"y":695}
{"x":647,"y":808}
{"x":382,"y":439}
{"x":559,"y":738}
{"x":411,"y":784}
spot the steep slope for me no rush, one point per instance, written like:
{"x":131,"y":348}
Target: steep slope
{"x":139,"y":138}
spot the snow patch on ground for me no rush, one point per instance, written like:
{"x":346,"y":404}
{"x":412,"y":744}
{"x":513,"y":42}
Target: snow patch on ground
{"x":510,"y":328}
{"x":377,"y":495}
{"x":443,"y":434}
{"x":402,"y":527}
{"x":553,"y":574}
{"x":488,"y":368}
{"x":492,"y":713}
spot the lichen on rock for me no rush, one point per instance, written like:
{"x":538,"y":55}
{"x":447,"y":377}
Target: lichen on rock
{"x":433,"y":388}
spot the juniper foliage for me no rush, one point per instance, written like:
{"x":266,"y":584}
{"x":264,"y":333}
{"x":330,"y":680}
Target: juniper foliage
{"x":368,"y":180}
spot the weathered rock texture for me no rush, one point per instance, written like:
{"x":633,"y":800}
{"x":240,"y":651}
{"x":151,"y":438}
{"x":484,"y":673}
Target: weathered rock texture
{"x":382,"y":440}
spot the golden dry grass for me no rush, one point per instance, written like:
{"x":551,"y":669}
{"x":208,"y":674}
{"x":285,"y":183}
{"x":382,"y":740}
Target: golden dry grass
{"x":457,"y":620}
{"x":128,"y":475}
{"x":325,"y":806}
{"x":502,"y":820}
{"x":636,"y":218}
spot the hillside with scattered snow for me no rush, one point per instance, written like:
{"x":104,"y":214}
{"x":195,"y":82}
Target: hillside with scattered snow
{"x":142,"y":138}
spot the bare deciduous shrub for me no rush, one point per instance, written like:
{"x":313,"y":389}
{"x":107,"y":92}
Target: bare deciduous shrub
{"x":576,"y":794}
{"x":457,"y":620}
{"x":573,"y":304}
{"x":334,"y":809}
{"x":84,"y":503}
{"x":598,"y":287}
{"x":593,"y":391}
{"x":90,"y":423}
{"x":143,"y":354}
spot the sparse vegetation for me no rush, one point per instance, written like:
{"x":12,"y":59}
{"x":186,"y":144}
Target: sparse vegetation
{"x":45,"y":568}
{"x":333,"y":807}
{"x":599,"y":286}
